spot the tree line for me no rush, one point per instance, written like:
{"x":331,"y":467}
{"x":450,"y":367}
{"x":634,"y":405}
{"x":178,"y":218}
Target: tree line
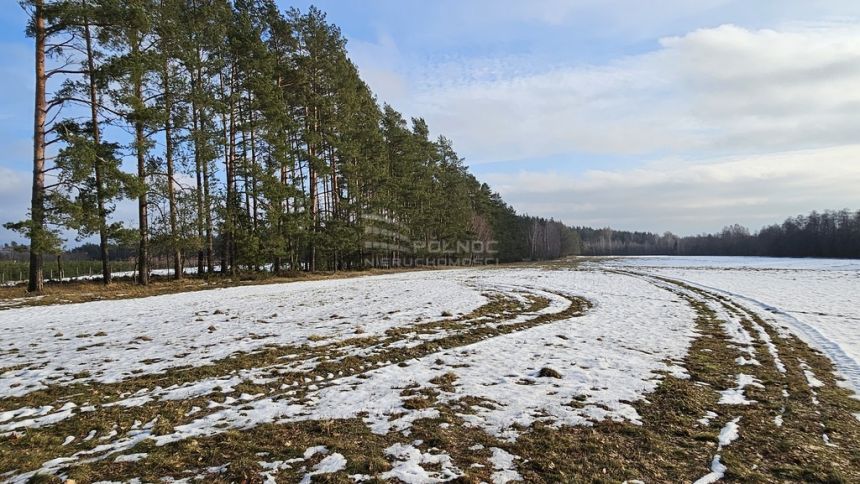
{"x":249,"y":142}
{"x":832,"y":233}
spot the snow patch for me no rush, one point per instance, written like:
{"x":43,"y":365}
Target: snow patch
{"x":407,"y":466}
{"x":503,"y":464}
{"x":736,"y":396}
{"x":718,"y":470}
{"x":330,"y":464}
{"x":131,"y":457}
{"x":729,"y":433}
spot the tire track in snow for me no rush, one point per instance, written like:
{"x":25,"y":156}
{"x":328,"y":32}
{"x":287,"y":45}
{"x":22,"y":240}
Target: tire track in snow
{"x":761,"y":331}
{"x":288,"y":400}
{"x":847,"y":367}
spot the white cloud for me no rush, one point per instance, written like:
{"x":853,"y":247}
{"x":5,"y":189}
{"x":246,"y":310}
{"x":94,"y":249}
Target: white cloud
{"x":770,"y":89}
{"x":693,"y":197}
{"x":378,"y":65}
{"x":777,"y":109}
{"x":14,"y":199}
{"x":718,"y":90}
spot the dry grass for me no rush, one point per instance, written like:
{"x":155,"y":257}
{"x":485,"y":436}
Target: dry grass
{"x":669,"y":446}
{"x":34,"y":447}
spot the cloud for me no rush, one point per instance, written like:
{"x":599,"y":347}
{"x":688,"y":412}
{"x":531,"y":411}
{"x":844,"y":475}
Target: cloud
{"x":774,"y":112}
{"x":14,"y":199}
{"x":598,"y":109}
{"x":692,"y":197}
{"x":378,"y":61}
{"x":711,"y":91}
{"x":769,"y":89}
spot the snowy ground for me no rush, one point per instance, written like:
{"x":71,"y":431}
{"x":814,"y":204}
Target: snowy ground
{"x":111,"y":339}
{"x":817,"y":299}
{"x":503,"y":349}
{"x":608,"y":357}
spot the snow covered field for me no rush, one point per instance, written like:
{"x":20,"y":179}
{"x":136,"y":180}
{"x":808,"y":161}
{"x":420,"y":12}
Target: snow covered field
{"x":498,"y":351}
{"x":817,"y":299}
{"x":111,"y":339}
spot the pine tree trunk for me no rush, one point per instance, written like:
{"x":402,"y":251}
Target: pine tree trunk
{"x":196,"y":76}
{"x":142,"y":204}
{"x":232,"y":196}
{"x":254,"y":208}
{"x":198,"y":172}
{"x":312,"y":186}
{"x":204,"y":204}
{"x":227,"y":232}
{"x":207,"y":202}
{"x":98,"y":167}
{"x":244,"y":134}
{"x":168,"y":155}
{"x":37,"y":202}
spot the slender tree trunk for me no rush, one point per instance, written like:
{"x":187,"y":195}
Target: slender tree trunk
{"x":254,"y":212}
{"x":207,"y":203}
{"x":335,"y":187}
{"x":334,"y":196}
{"x":168,"y":155}
{"x":232,"y":196}
{"x":196,"y":76}
{"x":227,"y":234}
{"x":198,"y":171}
{"x":142,"y":204}
{"x":244,"y":134}
{"x":98,"y":163}
{"x":312,"y":187}
{"x":37,"y":201}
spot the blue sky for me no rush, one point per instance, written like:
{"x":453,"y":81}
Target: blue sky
{"x":666,"y":115}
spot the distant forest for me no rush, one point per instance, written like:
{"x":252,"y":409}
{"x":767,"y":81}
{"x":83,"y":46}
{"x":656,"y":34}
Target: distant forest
{"x":830,"y":233}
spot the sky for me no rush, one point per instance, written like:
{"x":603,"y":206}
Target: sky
{"x":664,"y":115}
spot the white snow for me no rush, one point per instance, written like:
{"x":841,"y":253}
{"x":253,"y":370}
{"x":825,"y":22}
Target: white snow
{"x":407,"y":465}
{"x":25,"y":412}
{"x":706,"y":420}
{"x":620,"y":349}
{"x":503,"y":464}
{"x":130,"y":457}
{"x":736,"y":396}
{"x":636,"y":332}
{"x":816,"y":299}
{"x":811,"y":379}
{"x":746,"y":263}
{"x":330,"y":464}
{"x":718,"y":470}
{"x":111,"y":339}
{"x":51,"y":418}
{"x":609,"y":344}
{"x":729,"y":433}
{"x":312,"y":451}
{"x":608,"y":357}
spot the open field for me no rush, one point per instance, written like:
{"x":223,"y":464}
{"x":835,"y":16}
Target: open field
{"x":625,"y":370}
